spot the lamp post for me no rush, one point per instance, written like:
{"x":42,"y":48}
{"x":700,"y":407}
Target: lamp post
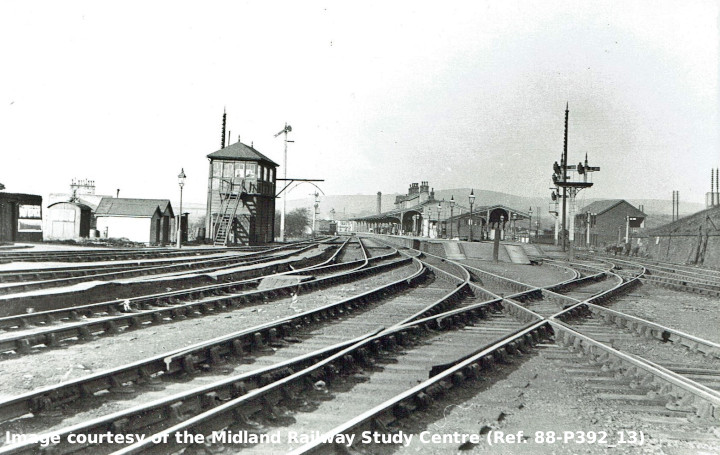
{"x":438,"y":221}
{"x":452,"y":205}
{"x":181,"y":182}
{"x":472,"y":201}
{"x":529,"y":224}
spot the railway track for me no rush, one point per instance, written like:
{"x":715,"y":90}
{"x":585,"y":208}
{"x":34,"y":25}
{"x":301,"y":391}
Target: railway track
{"x":683,"y":278}
{"x":96,"y":255}
{"x":33,"y":280}
{"x":372,"y":362}
{"x":23,"y":333}
{"x":180,"y":283}
{"x":375,"y":350}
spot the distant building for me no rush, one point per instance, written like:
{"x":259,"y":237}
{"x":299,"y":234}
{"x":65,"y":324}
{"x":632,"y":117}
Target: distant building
{"x":416,"y":195}
{"x":81,"y":191}
{"x":484,"y":221}
{"x":67,"y":220}
{"x":606,"y":222}
{"x":60,"y":223}
{"x":240,"y":196}
{"x":345,"y":227}
{"x":418,"y":213}
{"x":20,"y":217}
{"x":140,"y":220}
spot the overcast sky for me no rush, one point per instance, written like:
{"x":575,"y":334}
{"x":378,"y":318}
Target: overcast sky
{"x":379,"y":94}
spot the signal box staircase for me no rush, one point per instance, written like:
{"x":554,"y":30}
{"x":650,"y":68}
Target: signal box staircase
{"x":224,"y":219}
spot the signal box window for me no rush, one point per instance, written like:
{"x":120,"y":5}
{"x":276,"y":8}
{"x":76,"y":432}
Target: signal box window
{"x":251,"y":171}
{"x":239,"y":170}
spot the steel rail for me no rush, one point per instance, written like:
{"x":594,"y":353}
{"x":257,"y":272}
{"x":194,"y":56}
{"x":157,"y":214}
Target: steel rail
{"x":149,"y":271}
{"x":91,"y":269}
{"x":265,"y":397}
{"x":87,"y":329}
{"x":654,"y":330}
{"x":668,"y":266}
{"x":422,"y":395}
{"x":175,"y":406}
{"x":79,"y":255}
{"x":462,"y":314}
{"x":706,"y":402}
{"x":207,"y":396}
{"x":208,"y":352}
{"x":115,"y":307}
{"x":523,"y":289}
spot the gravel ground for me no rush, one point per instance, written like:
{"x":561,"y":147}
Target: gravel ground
{"x":51,"y":366}
{"x":350,"y":253}
{"x":687,"y":312}
{"x":535,"y":396}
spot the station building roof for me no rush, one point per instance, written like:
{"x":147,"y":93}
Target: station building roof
{"x":478,"y":212}
{"x":394,"y":213}
{"x":482,"y":210}
{"x":240,"y":152}
{"x":110,"y":206}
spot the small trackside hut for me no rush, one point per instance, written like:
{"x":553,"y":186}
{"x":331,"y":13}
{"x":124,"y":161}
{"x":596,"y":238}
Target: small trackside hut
{"x":139,"y":220}
{"x":20,"y":217}
{"x":241,"y":196}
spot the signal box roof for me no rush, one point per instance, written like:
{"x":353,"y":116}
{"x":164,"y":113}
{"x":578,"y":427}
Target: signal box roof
{"x":240,"y":152}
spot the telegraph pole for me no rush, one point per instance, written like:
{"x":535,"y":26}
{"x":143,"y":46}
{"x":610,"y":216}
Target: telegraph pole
{"x":284,"y":131}
{"x":563,"y":168}
{"x":569,"y":188}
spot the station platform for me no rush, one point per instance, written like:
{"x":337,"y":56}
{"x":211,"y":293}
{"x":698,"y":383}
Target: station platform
{"x":512,"y":252}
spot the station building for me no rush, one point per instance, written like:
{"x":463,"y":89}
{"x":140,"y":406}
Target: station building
{"x":240,"y":196}
{"x":485,"y":219}
{"x":607,"y":222}
{"x":20,"y":217}
{"x":418,"y":213}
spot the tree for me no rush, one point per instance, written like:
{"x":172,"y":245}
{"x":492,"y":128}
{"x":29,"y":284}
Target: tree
{"x":295,"y":223}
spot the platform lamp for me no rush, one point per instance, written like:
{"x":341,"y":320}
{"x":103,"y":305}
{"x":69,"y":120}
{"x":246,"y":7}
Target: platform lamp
{"x":452,"y":205}
{"x":529,"y":224}
{"x":181,"y":182}
{"x":471,"y":198}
